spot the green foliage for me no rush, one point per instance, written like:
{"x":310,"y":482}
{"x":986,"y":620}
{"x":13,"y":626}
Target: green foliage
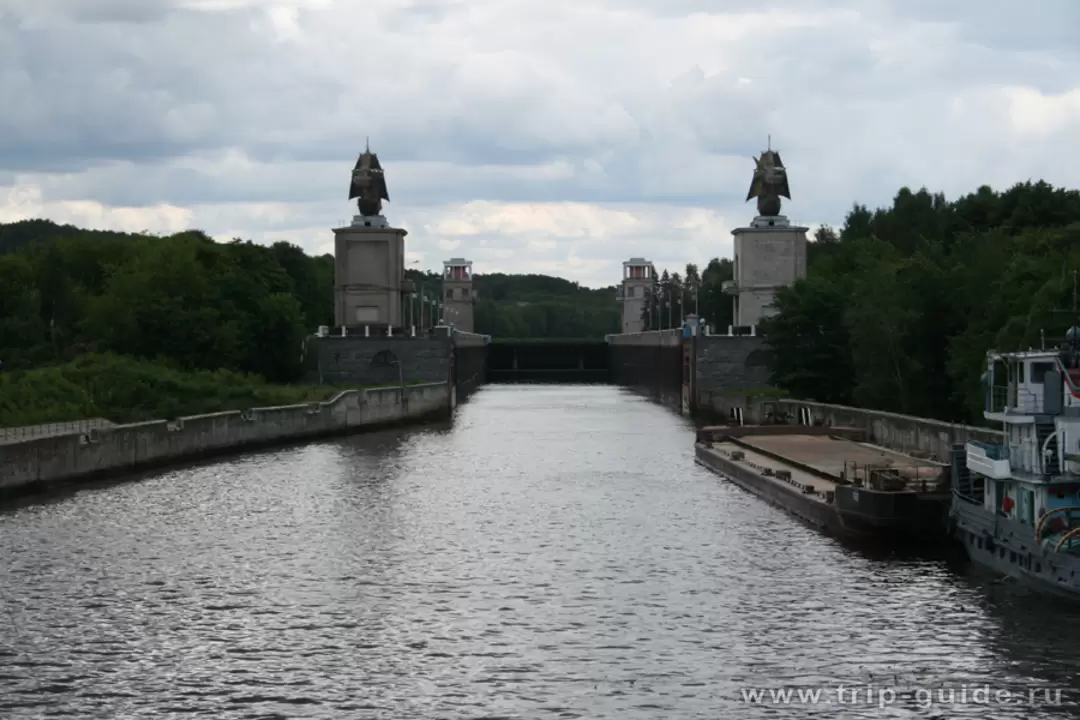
{"x":540,"y":306}
{"x":676,"y":296}
{"x":534,"y":306}
{"x":899,"y":308}
{"x":127,"y":390}
{"x":187,"y":300}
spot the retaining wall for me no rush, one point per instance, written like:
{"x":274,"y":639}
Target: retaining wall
{"x":905,"y":433}
{"x":650,"y":362}
{"x":39,"y":462}
{"x":470,"y":362}
{"x":348,"y":360}
{"x":726,"y":368}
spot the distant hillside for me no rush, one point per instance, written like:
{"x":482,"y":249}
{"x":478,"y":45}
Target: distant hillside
{"x":537,"y":306}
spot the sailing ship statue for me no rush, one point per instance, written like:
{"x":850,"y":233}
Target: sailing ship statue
{"x":368,"y":188}
{"x":769,"y":184}
{"x":1016,"y":507}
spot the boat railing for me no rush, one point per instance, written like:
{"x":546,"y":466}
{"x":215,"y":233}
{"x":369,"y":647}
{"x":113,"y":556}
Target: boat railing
{"x":1018,"y":400}
{"x":966,"y":497}
{"x":994,"y":451}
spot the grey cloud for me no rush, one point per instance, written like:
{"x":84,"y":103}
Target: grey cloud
{"x":91,"y":11}
{"x":209,"y":82}
{"x":514,"y":101}
{"x":1041,"y":25}
{"x":143,"y":185}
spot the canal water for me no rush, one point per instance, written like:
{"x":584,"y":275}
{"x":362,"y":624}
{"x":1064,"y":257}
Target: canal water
{"x":555,"y":553}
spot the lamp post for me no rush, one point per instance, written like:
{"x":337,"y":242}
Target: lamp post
{"x":412,"y":301}
{"x":442,"y":294}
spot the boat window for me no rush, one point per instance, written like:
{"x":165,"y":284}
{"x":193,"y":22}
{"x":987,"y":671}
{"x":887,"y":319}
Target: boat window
{"x":1039,"y":370}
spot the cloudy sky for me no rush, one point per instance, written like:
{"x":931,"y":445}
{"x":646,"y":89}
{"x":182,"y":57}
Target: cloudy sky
{"x":554,"y":136}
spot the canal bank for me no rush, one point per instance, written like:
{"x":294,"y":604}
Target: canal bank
{"x":36,"y":464}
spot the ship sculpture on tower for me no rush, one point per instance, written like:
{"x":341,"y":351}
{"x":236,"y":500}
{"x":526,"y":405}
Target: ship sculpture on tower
{"x":769,"y":184}
{"x":368,"y":185}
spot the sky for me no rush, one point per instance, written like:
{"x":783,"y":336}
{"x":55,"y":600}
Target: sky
{"x":551,"y":136}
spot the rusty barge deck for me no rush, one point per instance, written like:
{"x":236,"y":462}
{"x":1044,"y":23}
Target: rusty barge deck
{"x":832,"y":478}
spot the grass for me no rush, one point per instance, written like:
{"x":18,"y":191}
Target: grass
{"x":123,"y":389}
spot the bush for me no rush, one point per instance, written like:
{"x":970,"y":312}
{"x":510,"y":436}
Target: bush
{"x":123,"y":389}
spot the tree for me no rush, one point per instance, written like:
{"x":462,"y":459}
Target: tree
{"x":715,"y":305}
{"x":900,"y":306}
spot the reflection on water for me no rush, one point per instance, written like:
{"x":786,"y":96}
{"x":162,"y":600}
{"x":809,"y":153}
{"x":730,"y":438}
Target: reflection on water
{"x":556,"y":553}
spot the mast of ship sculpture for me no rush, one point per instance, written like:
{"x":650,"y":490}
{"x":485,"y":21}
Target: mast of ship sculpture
{"x":369,"y":257}
{"x":771,"y":252}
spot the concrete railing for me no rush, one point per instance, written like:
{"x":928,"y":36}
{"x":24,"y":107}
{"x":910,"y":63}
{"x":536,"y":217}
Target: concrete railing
{"x":905,"y":433}
{"x":654,"y":338}
{"x":27,"y":432}
{"x":119,"y":448}
{"x":468,"y":339}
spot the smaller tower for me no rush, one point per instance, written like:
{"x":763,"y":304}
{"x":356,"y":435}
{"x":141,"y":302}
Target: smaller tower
{"x":638,"y":282}
{"x":458,"y":294}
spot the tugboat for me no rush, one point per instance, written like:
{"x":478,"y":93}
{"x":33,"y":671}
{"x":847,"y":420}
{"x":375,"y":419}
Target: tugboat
{"x":1015,"y":507}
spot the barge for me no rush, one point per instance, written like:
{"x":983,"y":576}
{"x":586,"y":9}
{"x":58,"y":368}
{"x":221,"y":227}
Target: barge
{"x":834,"y":480}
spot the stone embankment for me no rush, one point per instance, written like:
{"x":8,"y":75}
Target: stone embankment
{"x":38,"y":462}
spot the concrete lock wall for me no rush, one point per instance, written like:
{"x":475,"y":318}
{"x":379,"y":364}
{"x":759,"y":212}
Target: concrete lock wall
{"x":905,"y":433}
{"x":336,"y":360}
{"x":41,"y":461}
{"x":727,"y":370}
{"x":650,"y":362}
{"x":470,"y":362}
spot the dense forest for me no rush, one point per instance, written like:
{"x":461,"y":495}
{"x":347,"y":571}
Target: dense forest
{"x":900,"y":306}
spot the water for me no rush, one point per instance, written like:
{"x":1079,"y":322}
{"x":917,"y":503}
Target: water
{"x":554,"y":554}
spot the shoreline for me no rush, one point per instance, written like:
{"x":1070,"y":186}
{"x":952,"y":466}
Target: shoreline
{"x":42,"y":464}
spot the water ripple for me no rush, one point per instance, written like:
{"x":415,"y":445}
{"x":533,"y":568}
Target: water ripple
{"x":555,"y":554}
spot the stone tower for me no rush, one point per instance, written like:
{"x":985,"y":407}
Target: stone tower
{"x":769,"y":255}
{"x":369,"y":256}
{"x":458,"y":294}
{"x":638,"y":282}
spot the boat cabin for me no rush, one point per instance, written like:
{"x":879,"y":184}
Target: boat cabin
{"x":1033,"y":476}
